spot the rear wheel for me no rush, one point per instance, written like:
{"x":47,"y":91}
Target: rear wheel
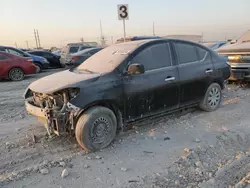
{"x":96,"y":128}
{"x":38,"y":67}
{"x":16,"y":74}
{"x":212,"y":98}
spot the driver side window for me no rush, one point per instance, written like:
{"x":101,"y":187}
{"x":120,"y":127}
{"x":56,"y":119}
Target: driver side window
{"x":154,"y":57}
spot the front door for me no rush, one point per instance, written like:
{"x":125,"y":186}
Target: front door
{"x":155,"y":90}
{"x":196,"y":71}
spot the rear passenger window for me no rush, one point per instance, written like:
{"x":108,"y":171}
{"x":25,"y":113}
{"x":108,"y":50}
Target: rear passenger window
{"x":154,"y":57}
{"x":202,"y":53}
{"x":73,"y":49}
{"x":186,"y":53}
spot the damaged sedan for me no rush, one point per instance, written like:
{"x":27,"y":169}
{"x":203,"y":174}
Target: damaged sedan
{"x":126,"y":82}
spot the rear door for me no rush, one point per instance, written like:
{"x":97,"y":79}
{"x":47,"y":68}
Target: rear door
{"x":155,"y":90}
{"x":195,"y":70}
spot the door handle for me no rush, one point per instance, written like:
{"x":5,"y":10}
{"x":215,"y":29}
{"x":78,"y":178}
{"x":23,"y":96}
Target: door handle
{"x":169,"y":79}
{"x":209,"y":71}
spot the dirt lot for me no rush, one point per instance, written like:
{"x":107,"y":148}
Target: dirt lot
{"x":187,"y":149}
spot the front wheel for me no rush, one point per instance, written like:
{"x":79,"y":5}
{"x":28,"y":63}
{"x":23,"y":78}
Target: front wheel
{"x":16,"y":74}
{"x":96,"y":128}
{"x":212,"y":98}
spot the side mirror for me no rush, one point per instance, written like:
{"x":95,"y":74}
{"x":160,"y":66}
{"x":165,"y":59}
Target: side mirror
{"x":136,"y":69}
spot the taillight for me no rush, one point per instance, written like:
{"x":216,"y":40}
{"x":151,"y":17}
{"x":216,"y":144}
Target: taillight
{"x":75,"y":58}
{"x":29,"y":60}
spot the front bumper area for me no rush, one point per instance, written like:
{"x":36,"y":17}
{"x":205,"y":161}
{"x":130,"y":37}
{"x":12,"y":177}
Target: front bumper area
{"x":54,"y":111}
{"x":240,"y":71}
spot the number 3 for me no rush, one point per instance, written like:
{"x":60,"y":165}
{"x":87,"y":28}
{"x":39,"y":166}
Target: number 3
{"x":124,"y":13}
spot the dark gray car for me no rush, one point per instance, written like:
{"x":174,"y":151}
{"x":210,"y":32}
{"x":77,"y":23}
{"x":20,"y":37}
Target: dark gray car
{"x":81,"y":56}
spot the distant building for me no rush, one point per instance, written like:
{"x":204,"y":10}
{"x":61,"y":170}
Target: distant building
{"x":193,"y":38}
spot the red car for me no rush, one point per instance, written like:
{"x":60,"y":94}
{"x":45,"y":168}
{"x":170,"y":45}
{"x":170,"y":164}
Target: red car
{"x":15,"y":67}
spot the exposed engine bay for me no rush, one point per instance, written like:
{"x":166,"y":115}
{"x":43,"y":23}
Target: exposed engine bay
{"x":56,"y":112}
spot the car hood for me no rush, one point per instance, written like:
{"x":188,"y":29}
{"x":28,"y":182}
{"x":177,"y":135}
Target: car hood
{"x":241,"y":48}
{"x":61,"y":80}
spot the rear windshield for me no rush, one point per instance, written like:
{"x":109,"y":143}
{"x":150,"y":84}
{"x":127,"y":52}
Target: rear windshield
{"x":73,"y":49}
{"x":107,"y":59}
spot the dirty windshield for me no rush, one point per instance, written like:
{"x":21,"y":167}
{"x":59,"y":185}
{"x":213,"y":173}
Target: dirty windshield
{"x":107,"y":59}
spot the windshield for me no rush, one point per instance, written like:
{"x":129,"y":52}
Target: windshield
{"x":107,"y":59}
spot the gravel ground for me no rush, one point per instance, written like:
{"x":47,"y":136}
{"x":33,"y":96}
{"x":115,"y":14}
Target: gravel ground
{"x":187,"y":149}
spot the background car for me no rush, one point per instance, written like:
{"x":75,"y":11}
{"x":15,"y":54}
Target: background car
{"x":80,"y":57}
{"x":40,"y":62}
{"x":73,"y":48}
{"x":214,"y":45}
{"x":15,"y":67}
{"x":53,"y":59}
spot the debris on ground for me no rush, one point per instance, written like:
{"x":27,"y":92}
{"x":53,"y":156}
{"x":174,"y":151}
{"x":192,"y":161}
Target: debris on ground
{"x":208,"y":167}
{"x":44,"y":171}
{"x":124,"y":169}
{"x":65,"y":173}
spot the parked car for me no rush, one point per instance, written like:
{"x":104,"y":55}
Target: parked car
{"x":40,"y":62}
{"x":214,"y":45}
{"x":15,"y":67}
{"x":124,"y":83}
{"x":73,"y":48}
{"x":238,"y":55}
{"x":53,"y":59}
{"x":80,"y":57}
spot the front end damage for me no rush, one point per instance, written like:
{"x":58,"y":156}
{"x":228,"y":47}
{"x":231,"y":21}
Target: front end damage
{"x":54,"y":110}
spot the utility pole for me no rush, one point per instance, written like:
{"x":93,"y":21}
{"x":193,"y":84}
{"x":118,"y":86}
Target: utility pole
{"x":38,"y":39}
{"x":27,"y":44}
{"x":101,"y":29}
{"x":35,"y":38}
{"x":112,"y":39}
{"x":202,"y":40}
{"x":153,"y":28}
{"x":16,"y":44}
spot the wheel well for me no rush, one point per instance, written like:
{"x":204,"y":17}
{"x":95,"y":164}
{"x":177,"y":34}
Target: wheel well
{"x":220,"y":82}
{"x":111,"y":106}
{"x":37,"y":62}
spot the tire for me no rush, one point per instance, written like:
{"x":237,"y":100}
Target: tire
{"x":16,"y":74}
{"x":38,"y":67}
{"x":90,"y":122}
{"x":212,"y":98}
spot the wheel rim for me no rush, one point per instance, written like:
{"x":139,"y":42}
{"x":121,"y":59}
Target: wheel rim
{"x":214,"y":97}
{"x":100,"y":132}
{"x":16,"y":74}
